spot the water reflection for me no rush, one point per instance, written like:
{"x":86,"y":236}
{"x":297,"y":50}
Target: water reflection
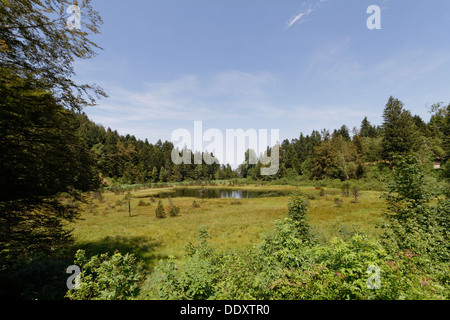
{"x":219,"y":193}
{"x":236,"y":194}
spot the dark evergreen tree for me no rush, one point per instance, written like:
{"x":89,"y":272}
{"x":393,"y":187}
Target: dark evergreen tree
{"x":399,"y":131}
{"x":367,"y":130}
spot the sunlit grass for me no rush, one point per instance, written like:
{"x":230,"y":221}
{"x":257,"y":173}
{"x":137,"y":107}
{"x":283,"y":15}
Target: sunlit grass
{"x":232,"y":226}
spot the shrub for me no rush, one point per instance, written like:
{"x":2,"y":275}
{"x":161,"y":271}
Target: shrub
{"x":160,"y":212}
{"x":310,"y":196}
{"x":345,"y":188}
{"x":297,"y":213}
{"x":142,"y":203}
{"x":322,"y":192}
{"x":412,"y":223}
{"x":104,"y":277}
{"x":355,"y":193}
{"x":195,"y":204}
{"x":195,"y":280}
{"x":174,"y":211}
{"x":410,"y":261}
{"x":338,"y":202}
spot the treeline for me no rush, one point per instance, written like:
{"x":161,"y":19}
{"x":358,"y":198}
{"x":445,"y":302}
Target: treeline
{"x":340,"y":154}
{"x":127,"y":160}
{"x":348,"y":155}
{"x":408,"y":260}
{"x":410,"y":256}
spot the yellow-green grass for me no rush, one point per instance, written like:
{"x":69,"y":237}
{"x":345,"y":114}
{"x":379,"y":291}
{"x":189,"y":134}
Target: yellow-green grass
{"x":231,"y":226}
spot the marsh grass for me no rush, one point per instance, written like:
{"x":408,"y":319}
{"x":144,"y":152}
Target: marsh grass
{"x":232,"y":227}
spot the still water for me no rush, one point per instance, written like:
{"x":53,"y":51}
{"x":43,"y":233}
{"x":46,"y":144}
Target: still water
{"x":219,"y":193}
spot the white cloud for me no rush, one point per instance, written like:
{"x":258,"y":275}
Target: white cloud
{"x":299,"y":16}
{"x":226,"y":95}
{"x":304,"y":13}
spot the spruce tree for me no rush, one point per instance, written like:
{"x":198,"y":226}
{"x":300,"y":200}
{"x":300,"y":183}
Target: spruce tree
{"x":367,"y":130}
{"x":298,"y":215}
{"x":162,"y":175}
{"x":155,"y":175}
{"x":400,"y":133}
{"x":160,"y":212}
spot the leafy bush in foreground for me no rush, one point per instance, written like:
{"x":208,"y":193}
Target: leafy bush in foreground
{"x":104,"y":277}
{"x":410,"y":261}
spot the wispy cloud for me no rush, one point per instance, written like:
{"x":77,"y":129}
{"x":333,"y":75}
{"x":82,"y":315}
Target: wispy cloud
{"x":225,"y":95}
{"x":231,"y":98}
{"x":306,"y":11}
{"x":299,"y":16}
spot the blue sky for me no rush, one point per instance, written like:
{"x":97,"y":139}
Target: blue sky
{"x":264,"y":64}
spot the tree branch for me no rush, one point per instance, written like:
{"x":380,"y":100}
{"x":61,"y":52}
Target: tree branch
{"x":33,"y":26}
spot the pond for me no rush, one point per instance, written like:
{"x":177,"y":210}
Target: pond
{"x":215,"y":193}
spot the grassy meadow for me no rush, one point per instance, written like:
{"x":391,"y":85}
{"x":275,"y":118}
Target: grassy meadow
{"x":106,"y":225}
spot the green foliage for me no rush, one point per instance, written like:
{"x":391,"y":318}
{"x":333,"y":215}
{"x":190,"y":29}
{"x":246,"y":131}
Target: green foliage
{"x":400,"y":134}
{"x":355,"y":193}
{"x":162,"y":175}
{"x":409,"y":262}
{"x":42,"y":158}
{"x":297,"y":214}
{"x":322,"y":192}
{"x":367,"y":130}
{"x":35,"y":42}
{"x":160,"y":211}
{"x":195,"y":204}
{"x":345,"y":189}
{"x":105,"y":277}
{"x":174,"y":211}
{"x":195,"y":280}
{"x":412,"y":223}
{"x":337,"y":158}
{"x":44,"y":162}
{"x":285,"y":267}
{"x":127,"y":160}
{"x":142,"y":203}
{"x":338,"y":202}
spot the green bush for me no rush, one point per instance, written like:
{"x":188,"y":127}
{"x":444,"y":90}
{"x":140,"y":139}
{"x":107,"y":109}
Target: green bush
{"x":142,"y":203}
{"x":160,"y":212}
{"x":338,"y":202}
{"x":104,"y":277}
{"x":195,"y":204}
{"x":412,"y":223}
{"x":174,"y":211}
{"x":195,"y":280}
{"x":322,"y":192}
{"x":345,"y":188}
{"x":289,"y":264}
{"x":297,"y":213}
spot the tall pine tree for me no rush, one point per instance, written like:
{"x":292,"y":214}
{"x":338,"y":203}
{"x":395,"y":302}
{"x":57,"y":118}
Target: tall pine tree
{"x":400,"y":132}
